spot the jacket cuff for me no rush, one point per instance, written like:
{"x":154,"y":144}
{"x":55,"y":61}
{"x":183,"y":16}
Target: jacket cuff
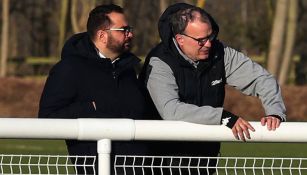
{"x":228,"y":119}
{"x":277,"y":116}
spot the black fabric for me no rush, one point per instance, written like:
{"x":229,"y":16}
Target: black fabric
{"x":80,"y":78}
{"x":196,"y":85}
{"x":204,"y":85}
{"x":230,"y":117}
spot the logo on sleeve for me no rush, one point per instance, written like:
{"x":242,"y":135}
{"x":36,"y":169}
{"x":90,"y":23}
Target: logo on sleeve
{"x":215,"y":82}
{"x":225,"y":121}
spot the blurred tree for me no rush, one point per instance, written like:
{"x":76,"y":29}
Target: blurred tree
{"x":145,"y":23}
{"x":270,"y":9}
{"x":62,"y":24}
{"x":257,"y":27}
{"x":229,"y":20}
{"x":201,"y":3}
{"x":289,"y":43}
{"x":119,"y":2}
{"x":36,"y":26}
{"x":301,"y":45}
{"x":244,"y":7}
{"x":188,"y":1}
{"x":277,"y":37}
{"x":79,"y":14}
{"x":4,"y":37}
{"x":33,"y":29}
{"x":163,"y":5}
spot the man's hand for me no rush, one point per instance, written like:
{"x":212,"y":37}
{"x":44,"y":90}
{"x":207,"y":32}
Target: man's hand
{"x":241,"y":129}
{"x":271,"y":122}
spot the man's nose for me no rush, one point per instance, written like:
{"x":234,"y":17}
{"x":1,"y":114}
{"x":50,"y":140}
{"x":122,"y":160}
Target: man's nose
{"x":208,"y":43}
{"x":130,"y":34}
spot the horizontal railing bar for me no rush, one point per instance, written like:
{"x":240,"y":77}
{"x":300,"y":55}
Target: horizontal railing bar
{"x":128,"y":129}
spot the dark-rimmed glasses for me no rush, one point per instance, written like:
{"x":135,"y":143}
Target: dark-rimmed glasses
{"x":202,"y":41}
{"x":126,"y":29}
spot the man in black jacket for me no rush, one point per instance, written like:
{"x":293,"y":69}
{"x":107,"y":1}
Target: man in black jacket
{"x":96,"y":78}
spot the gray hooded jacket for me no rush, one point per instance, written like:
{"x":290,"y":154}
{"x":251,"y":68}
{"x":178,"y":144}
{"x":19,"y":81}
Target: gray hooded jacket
{"x":241,"y":72}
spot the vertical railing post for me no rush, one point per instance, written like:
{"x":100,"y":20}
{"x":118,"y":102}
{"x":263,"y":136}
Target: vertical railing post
{"x":104,"y":158}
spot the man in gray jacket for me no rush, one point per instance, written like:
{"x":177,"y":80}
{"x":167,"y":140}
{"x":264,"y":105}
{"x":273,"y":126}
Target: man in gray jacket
{"x":187,"y":72}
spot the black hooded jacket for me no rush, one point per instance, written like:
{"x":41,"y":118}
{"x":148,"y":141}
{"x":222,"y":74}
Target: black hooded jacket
{"x":194,"y":83}
{"x":82,"y":77}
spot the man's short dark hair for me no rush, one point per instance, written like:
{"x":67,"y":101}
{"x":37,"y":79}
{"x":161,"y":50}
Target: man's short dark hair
{"x":99,"y":19}
{"x":181,"y":18}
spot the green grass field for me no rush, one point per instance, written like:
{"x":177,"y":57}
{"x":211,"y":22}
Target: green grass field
{"x":264,"y":149}
{"x":22,"y":146}
{"x":27,"y":146}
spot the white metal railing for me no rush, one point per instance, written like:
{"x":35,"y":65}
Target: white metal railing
{"x":147,"y":165}
{"x":128,"y":129}
{"x":106,"y":130}
{"x":45,"y":164}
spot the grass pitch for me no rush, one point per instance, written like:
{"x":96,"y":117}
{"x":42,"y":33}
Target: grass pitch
{"x":229,"y":149}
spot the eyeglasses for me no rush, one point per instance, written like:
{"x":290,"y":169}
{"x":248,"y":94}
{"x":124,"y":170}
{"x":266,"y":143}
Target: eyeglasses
{"x":202,"y":41}
{"x":126,"y":29}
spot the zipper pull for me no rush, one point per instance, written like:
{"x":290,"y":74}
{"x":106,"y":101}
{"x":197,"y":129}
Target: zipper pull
{"x":114,"y":74}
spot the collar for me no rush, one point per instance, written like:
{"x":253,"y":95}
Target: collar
{"x":102,"y":56}
{"x":194,"y":63}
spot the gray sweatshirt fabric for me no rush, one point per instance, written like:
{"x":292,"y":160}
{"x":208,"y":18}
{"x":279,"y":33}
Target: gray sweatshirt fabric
{"x":241,"y":72}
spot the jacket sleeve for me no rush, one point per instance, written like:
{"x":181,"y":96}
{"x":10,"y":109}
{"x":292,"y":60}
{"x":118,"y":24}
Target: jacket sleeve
{"x":252,"y":79}
{"x":163,"y":90}
{"x":58,"y":96}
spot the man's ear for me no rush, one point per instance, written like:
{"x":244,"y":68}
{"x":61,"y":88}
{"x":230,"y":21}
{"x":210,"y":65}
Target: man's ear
{"x":101,"y":36}
{"x":179,"y":39}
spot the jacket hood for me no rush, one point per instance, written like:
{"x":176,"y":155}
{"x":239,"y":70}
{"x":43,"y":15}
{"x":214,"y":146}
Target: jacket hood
{"x":164,"y":26}
{"x":79,"y":45}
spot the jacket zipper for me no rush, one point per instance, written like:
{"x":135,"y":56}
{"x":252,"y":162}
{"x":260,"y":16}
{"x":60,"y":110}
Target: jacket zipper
{"x":113,"y":71}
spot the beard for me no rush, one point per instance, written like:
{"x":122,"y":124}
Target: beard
{"x":118,"y":46}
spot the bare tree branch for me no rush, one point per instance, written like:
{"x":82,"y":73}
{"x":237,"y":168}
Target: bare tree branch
{"x":277,"y":36}
{"x":4,"y":37}
{"x":291,"y":32}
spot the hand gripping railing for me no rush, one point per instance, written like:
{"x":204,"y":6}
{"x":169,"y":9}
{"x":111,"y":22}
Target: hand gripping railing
{"x":106,"y":130}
